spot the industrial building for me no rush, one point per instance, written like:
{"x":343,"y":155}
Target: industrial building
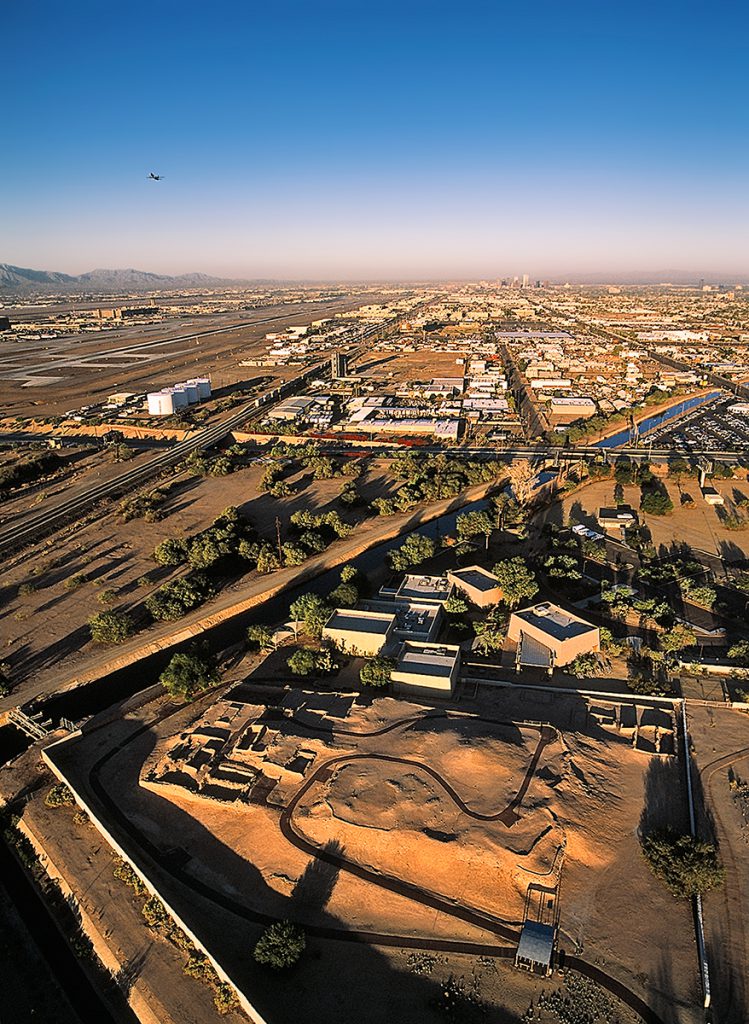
{"x":360,"y":632}
{"x":426,"y":669}
{"x":546,"y":635}
{"x":338,"y":365}
{"x":480,"y":586}
{"x":169,"y":400}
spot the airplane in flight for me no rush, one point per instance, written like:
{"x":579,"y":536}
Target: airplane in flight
{"x":155,"y":177}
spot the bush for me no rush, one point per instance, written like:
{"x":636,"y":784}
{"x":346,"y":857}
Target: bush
{"x":225,"y":998}
{"x":687,"y":866}
{"x":110,"y":627}
{"x":125,"y":874}
{"x":377,"y":671}
{"x":155,"y":912}
{"x":188,"y":674}
{"x":280,"y":946}
{"x":59,"y":796}
{"x":584,"y":666}
{"x":302,"y":662}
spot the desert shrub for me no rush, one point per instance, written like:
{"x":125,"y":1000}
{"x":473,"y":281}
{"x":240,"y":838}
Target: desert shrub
{"x":76,"y":582}
{"x":225,"y":998}
{"x":687,"y":866}
{"x":280,"y":946}
{"x":125,"y":874}
{"x":111,"y":627}
{"x":59,"y":796}
{"x":155,"y":913}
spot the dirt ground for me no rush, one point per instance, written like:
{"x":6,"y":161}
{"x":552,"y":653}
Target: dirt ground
{"x":578,"y":821}
{"x":101,"y":564}
{"x":700,"y":527}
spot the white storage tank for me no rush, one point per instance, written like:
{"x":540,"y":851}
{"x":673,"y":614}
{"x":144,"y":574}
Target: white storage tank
{"x":191,"y":390}
{"x":204,"y":387}
{"x":160,"y":403}
{"x":179,"y":397}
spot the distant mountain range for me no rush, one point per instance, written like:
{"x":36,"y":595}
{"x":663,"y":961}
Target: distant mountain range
{"x":15,"y":280}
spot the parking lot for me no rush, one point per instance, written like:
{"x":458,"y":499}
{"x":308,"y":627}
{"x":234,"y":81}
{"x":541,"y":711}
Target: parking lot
{"x":706,"y":429}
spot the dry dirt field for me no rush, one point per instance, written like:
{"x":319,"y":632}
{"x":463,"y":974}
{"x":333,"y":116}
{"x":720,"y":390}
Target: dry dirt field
{"x":699,"y":527}
{"x":49,"y":592}
{"x":441,"y":842}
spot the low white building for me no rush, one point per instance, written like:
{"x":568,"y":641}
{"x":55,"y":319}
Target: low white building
{"x":426,"y":669}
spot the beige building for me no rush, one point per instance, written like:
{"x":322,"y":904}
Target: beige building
{"x":547,"y":635}
{"x":426,"y":670}
{"x":360,"y":632}
{"x":480,"y":586}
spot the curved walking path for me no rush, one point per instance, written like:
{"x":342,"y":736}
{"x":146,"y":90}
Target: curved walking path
{"x":129,"y":829}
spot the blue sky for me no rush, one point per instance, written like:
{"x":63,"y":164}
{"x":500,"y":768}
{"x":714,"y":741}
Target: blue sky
{"x":331,"y":139}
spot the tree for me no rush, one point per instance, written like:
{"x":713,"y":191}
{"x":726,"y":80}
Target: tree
{"x":60,"y":796}
{"x":312,"y":611}
{"x":656,"y":501}
{"x":174,"y":599}
{"x":414,"y":550}
{"x":677,"y":638}
{"x":376,"y":671}
{"x":349,"y":573}
{"x":516,"y":580}
{"x":280,"y":946}
{"x":740,"y":652}
{"x":618,"y":494}
{"x":455,"y":605}
{"x":345,"y":595}
{"x":302,"y":662}
{"x":111,"y":627}
{"x":267,"y":559}
{"x":172,"y":551}
{"x":686,"y":865}
{"x":609,"y":642}
{"x":260,"y":638}
{"x":472,"y":524}
{"x":188,"y":674}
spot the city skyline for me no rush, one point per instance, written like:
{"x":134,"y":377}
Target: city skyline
{"x":328,"y":143}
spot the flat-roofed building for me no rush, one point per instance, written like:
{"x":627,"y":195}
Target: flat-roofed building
{"x":480,"y":586}
{"x":547,"y":635}
{"x":617,"y":518}
{"x":430,"y":589}
{"x":360,"y":632}
{"x":426,"y":669}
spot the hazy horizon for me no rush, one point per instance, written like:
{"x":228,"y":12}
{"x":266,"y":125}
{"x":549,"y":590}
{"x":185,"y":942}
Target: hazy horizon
{"x":414,"y":142}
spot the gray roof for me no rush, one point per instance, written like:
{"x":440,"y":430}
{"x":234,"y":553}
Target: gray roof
{"x":476,"y":577}
{"x":536,"y":943}
{"x":360,"y":622}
